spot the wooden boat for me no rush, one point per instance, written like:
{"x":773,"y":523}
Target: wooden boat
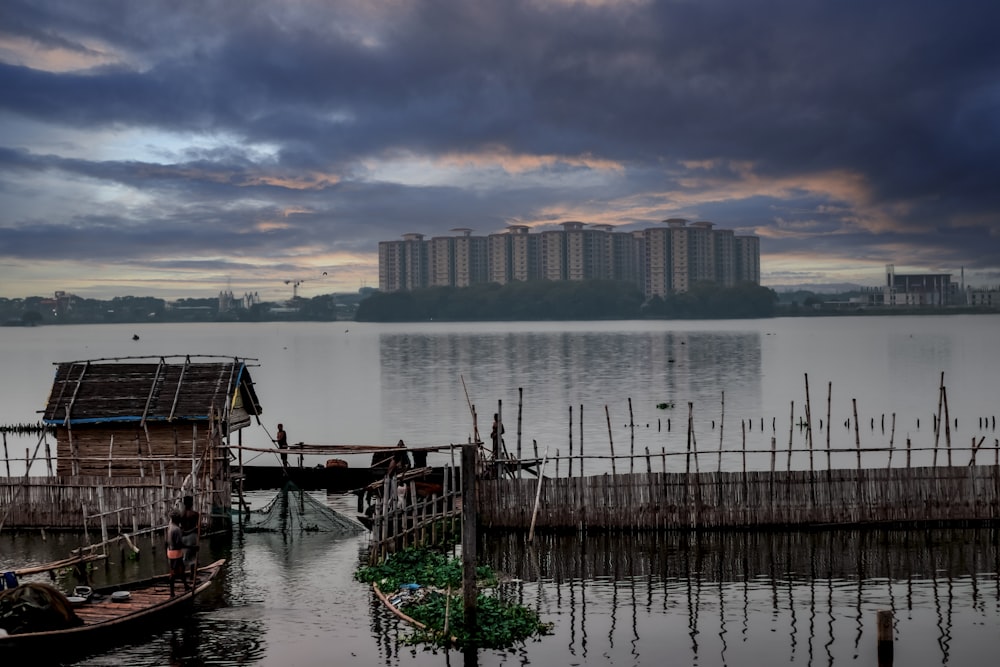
{"x":109,"y":615}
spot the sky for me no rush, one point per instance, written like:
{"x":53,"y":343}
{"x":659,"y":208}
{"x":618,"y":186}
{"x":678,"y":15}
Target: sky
{"x":170,"y":149}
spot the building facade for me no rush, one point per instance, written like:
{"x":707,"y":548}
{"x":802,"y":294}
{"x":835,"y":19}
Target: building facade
{"x":661,"y":260}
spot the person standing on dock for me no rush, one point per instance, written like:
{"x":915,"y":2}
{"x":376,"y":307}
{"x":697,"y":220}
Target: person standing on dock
{"x":190,"y":533}
{"x":497,"y":435}
{"x":281,"y":438}
{"x":175,"y":551}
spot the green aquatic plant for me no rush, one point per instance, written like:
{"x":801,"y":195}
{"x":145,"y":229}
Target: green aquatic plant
{"x":438,"y":606}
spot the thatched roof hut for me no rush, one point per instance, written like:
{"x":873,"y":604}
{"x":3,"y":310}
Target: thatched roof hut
{"x":138,"y":415}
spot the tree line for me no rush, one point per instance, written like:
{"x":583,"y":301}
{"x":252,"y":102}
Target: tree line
{"x":565,"y":300}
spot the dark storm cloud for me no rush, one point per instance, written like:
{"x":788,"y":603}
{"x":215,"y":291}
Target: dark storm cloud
{"x":904,"y":94}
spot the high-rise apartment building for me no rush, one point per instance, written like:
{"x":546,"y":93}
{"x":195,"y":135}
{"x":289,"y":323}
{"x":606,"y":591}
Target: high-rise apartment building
{"x":662,"y":260}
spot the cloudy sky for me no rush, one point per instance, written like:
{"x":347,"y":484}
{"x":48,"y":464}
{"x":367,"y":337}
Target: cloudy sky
{"x":174,"y":148}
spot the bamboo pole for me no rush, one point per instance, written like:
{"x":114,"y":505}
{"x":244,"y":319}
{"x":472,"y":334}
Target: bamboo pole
{"x":631,"y":442}
{"x":947,"y":423}
{"x":611,"y":440}
{"x":538,"y":496}
{"x":892,"y":437}
{"x":937,"y":420}
{"x":829,"y":400}
{"x":520,"y":411}
{"x":722,"y":425}
{"x":6,"y":455}
{"x":857,"y":433}
{"x":469,"y":537}
{"x":809,"y":425}
{"x":571,"y":441}
{"x":791,"y":434}
{"x":581,"y":441}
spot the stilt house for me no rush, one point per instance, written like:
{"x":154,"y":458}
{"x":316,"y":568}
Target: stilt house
{"x":166,"y":418}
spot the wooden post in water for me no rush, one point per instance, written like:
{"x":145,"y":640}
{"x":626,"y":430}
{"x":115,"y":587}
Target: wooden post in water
{"x":469,"y":535}
{"x":6,"y":455}
{"x":884,"y":637}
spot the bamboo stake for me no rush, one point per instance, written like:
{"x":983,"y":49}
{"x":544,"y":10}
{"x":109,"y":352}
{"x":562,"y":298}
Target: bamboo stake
{"x":520,"y":410}
{"x":857,"y":433}
{"x":538,"y":496}
{"x":571,"y":441}
{"x":611,"y":440}
{"x":6,"y":455}
{"x":722,"y":425}
{"x":892,"y":436}
{"x":947,"y":423}
{"x":809,"y":424}
{"x":937,"y":421}
{"x":829,"y":400}
{"x":791,"y":433}
{"x":631,"y":443}
{"x":581,"y":441}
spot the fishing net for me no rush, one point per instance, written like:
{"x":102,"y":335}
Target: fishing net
{"x":295,"y":510}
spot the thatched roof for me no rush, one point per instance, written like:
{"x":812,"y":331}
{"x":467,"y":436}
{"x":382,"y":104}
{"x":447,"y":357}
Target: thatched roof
{"x":151,"y":389}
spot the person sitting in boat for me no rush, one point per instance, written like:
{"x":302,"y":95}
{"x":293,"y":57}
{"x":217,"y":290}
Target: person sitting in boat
{"x":175,"y":552}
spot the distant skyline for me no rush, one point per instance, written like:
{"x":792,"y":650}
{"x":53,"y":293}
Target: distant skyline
{"x":175,"y":150}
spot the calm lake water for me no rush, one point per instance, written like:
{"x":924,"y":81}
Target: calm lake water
{"x":724,"y":599}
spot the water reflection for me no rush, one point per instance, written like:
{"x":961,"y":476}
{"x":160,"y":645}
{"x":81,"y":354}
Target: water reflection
{"x":754,"y":598}
{"x":559,"y":370}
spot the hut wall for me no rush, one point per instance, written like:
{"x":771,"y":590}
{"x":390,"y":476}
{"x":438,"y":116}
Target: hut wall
{"x":130,"y":451}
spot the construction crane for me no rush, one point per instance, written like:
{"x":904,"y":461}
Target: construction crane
{"x":298,"y":281}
